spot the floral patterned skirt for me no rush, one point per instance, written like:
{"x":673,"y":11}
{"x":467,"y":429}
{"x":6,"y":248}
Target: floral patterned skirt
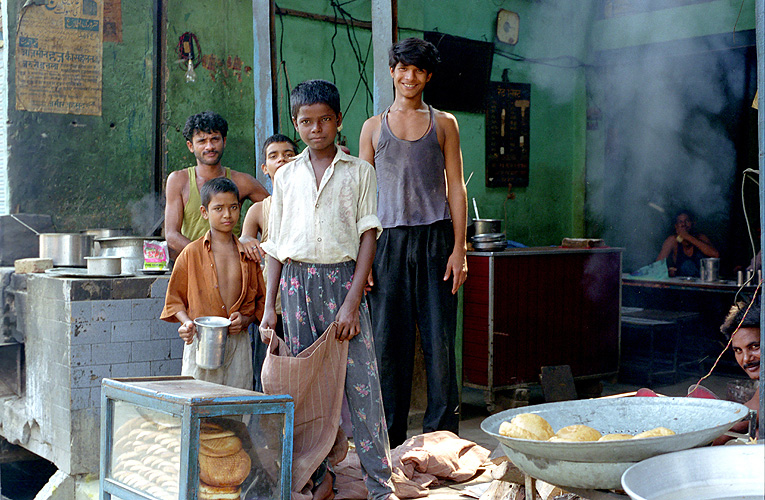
{"x":311,"y":296}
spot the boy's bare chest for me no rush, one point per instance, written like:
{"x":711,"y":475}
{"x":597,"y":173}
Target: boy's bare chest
{"x":229,"y":274}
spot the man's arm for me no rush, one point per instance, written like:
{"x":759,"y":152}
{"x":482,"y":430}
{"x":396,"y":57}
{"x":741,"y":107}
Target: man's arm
{"x":370,"y":132}
{"x":174,"y":211}
{"x":272,"y":285}
{"x":249,"y":187}
{"x":666,"y":248}
{"x":250,"y":229}
{"x":457,"y":198}
{"x":348,"y":315}
{"x":701,"y":242}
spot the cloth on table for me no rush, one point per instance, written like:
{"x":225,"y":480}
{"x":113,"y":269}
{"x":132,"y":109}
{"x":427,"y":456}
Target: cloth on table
{"x":315,"y":379}
{"x":421,"y":461}
{"x":655,"y":271}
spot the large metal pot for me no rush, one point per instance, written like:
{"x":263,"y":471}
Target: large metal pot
{"x":130,"y":248}
{"x":65,"y":249}
{"x":104,"y":233}
{"x":487,"y":226}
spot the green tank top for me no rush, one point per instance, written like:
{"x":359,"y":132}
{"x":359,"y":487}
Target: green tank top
{"x":194,"y":225}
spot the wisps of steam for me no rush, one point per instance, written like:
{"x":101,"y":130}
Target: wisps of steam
{"x":146,"y":213}
{"x":666,"y":144}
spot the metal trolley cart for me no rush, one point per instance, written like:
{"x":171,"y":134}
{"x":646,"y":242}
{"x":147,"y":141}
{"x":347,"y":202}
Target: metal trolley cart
{"x":177,"y":438}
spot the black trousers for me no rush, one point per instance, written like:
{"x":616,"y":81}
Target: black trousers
{"x":409,"y":291}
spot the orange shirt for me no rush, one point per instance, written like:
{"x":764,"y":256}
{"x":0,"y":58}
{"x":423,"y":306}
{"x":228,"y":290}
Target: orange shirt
{"x":193,"y":285}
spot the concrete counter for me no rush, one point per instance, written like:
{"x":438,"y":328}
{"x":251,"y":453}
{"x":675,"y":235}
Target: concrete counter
{"x":77,"y":331}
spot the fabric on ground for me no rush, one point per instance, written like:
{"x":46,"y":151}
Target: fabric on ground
{"x":315,"y":379}
{"x":420,"y":462}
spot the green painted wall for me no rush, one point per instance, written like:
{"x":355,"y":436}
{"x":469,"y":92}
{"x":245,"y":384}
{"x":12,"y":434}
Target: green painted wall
{"x":306,"y":47}
{"x":552,"y":206}
{"x":224,"y":78}
{"x":90,"y":171}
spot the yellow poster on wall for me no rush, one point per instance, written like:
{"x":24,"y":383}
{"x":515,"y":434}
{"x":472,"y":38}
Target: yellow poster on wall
{"x":58,"y":57}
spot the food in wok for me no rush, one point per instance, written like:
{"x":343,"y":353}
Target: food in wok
{"x":533,"y":426}
{"x":527,"y":426}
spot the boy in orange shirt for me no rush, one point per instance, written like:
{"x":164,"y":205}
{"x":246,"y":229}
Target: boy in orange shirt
{"x":213,"y":277}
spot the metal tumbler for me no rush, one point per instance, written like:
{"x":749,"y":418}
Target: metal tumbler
{"x":212,"y":332}
{"x":710,"y":269}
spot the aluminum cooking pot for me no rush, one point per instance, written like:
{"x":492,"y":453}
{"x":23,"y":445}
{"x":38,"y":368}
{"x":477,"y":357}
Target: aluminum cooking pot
{"x":130,"y":248}
{"x":65,"y":249}
{"x":104,"y":233}
{"x":486,"y":226}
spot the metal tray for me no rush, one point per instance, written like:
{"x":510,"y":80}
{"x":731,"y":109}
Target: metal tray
{"x":489,"y":238}
{"x":701,"y":474}
{"x":599,"y":465}
{"x":79,"y":272}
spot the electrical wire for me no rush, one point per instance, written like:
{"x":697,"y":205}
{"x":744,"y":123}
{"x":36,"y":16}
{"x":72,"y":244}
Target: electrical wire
{"x":355,"y":45}
{"x":748,"y":173}
{"x":574,"y":62}
{"x":730,"y":340}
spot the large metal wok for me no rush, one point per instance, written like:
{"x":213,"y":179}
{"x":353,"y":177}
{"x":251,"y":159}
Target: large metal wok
{"x":600,"y":465}
{"x":701,"y":474}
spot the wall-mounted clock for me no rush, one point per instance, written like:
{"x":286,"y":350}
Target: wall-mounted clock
{"x":508,"y":24}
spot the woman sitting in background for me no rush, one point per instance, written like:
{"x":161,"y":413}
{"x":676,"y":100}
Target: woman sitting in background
{"x":685,"y":249}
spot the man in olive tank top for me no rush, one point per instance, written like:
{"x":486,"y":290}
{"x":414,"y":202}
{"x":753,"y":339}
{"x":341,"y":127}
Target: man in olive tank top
{"x":205,"y":135}
{"x":421,"y":254}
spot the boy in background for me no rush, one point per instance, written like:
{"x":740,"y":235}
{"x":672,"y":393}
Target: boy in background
{"x":277,"y":150}
{"x":323,"y":228}
{"x":213,"y":277}
{"x":421,"y":256}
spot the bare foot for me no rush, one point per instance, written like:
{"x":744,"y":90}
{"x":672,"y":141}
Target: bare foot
{"x":324,"y":490}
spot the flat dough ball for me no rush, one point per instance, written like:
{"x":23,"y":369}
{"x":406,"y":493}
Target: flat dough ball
{"x":615,"y":437}
{"x":527,"y":426}
{"x":578,"y":432}
{"x":657,"y":432}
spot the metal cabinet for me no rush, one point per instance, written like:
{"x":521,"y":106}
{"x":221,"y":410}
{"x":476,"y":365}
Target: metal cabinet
{"x":177,"y":438}
{"x":534,"y":307}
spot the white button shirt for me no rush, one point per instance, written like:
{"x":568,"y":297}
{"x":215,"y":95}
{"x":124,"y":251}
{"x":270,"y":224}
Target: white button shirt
{"x":324,"y":225}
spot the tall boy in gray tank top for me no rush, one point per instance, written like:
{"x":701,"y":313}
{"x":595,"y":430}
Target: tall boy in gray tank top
{"x":420,"y":262}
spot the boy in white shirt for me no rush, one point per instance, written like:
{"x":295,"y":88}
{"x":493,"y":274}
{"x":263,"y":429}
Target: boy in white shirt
{"x":323,"y":229}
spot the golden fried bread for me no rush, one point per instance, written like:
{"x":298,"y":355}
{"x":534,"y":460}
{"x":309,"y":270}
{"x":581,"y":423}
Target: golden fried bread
{"x":220,"y":447}
{"x":657,"y":432}
{"x":224,"y":471}
{"x":209,"y":492}
{"x":527,"y":426}
{"x":615,"y":437}
{"x":577,"y":432}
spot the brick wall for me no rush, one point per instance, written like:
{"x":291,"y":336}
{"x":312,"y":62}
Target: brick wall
{"x":77,"y":332}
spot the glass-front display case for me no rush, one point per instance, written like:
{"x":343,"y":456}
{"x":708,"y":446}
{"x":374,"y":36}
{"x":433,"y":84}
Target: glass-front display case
{"x":177,"y":438}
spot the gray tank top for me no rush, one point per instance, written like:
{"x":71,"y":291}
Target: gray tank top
{"x":411,"y":178}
